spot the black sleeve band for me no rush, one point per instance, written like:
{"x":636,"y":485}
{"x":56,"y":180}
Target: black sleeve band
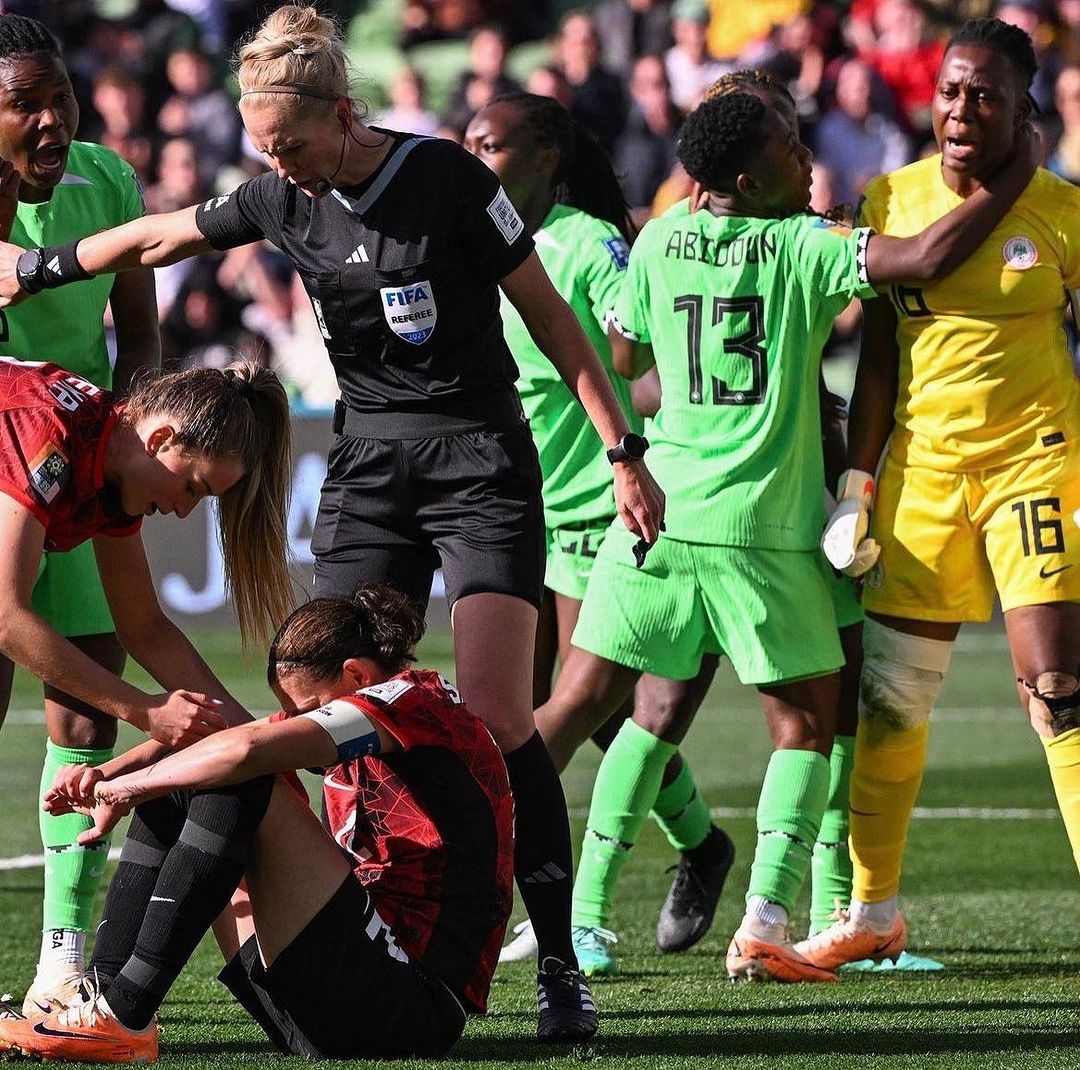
{"x":60,"y":265}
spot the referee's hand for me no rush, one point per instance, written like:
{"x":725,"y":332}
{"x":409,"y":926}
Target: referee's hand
{"x":639,"y":499}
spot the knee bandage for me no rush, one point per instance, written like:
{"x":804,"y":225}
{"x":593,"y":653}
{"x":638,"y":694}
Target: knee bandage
{"x":1055,"y":700}
{"x":901,"y":677}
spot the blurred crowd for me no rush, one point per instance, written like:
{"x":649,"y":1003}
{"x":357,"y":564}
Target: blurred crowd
{"x":153,"y":82}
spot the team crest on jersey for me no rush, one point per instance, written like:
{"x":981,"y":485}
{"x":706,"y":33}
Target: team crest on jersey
{"x":410,"y":310}
{"x":619,"y":252}
{"x":1020,"y":253}
{"x":48,"y":472}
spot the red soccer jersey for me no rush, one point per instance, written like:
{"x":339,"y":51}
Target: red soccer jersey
{"x":430,"y":829}
{"x":54,"y":427}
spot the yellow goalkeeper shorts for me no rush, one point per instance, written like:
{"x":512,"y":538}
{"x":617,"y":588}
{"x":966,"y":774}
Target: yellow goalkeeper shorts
{"x":950,"y":541}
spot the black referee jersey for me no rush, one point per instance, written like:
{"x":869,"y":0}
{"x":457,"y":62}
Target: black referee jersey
{"x":402,"y":272}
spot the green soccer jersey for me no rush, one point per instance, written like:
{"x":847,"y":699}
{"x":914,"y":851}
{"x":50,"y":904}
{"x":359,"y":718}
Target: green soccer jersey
{"x":737,"y":310}
{"x":65,"y":325}
{"x":585,"y":259}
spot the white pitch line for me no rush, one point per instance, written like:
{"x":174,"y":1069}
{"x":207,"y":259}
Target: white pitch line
{"x":37,"y":861}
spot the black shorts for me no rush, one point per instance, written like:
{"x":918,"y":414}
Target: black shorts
{"x":394,"y":509}
{"x":338,"y":993}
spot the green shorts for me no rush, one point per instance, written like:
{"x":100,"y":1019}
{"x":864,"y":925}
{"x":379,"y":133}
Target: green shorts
{"x":845,"y":597}
{"x":769,"y":611}
{"x":571,"y":552}
{"x":68,"y":593}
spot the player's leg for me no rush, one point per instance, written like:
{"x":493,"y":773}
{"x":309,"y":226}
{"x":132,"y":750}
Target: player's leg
{"x":1034,"y":549}
{"x":932,"y":574}
{"x":546,"y":650}
{"x":183,"y":858}
{"x":706,"y":852}
{"x":68,"y":594}
{"x":1045,"y":645}
{"x":492,"y":546}
{"x":7,"y":678}
{"x":770,"y":612}
{"x":647,"y":619}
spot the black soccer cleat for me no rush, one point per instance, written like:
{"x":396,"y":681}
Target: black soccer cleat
{"x":567,"y":1011}
{"x":687,"y":913}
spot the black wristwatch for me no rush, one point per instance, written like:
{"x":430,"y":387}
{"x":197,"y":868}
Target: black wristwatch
{"x":28,"y":271}
{"x":630,"y":447}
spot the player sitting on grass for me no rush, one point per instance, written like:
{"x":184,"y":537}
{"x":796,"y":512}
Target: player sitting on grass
{"x":403,"y":903}
{"x":738,"y":301}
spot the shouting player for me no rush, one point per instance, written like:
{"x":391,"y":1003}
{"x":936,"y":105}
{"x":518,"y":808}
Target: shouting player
{"x":969,"y":381}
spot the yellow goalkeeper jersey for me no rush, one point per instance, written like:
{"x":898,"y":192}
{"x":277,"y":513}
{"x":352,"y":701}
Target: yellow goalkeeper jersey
{"x":986,"y":376}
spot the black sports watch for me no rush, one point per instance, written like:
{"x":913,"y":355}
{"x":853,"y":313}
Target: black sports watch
{"x":28,"y":270}
{"x":630,"y":447}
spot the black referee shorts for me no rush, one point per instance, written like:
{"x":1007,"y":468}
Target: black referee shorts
{"x":394,"y":509}
{"x":340,"y":990}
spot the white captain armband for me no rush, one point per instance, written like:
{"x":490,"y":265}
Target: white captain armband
{"x":611,"y":320}
{"x":860,"y":254}
{"x":348,"y":726}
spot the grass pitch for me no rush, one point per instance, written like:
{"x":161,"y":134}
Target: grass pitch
{"x":990,"y":889}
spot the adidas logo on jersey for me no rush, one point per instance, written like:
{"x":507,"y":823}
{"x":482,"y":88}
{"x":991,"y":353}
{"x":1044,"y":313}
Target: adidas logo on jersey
{"x":357,"y":256}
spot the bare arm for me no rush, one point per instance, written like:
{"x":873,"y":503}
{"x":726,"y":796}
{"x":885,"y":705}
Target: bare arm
{"x":153,"y":640}
{"x":832,"y":433}
{"x":30,"y":641}
{"x":134,"y":311}
{"x":630,"y":359}
{"x":151,"y":241}
{"x":876,"y":383}
{"x":560,"y":338}
{"x":950,"y":240}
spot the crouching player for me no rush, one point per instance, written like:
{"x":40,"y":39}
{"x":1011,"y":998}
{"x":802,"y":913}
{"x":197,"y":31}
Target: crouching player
{"x":404,"y":903}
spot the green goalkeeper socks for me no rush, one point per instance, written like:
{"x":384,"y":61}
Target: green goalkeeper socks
{"x":681,"y":811}
{"x":73,"y":874}
{"x":792,"y":800}
{"x":626,"y":787}
{"x":831,"y":865}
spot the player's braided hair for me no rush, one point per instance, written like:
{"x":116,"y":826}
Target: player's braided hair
{"x":746,"y":78}
{"x":241,"y":412}
{"x":22,"y":36}
{"x":1004,"y":39}
{"x":584,"y":177}
{"x":719,"y":137}
{"x":319,"y":637}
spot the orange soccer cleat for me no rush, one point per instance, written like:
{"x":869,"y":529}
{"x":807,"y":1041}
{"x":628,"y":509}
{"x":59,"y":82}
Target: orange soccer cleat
{"x":849,"y":940}
{"x":752,"y":959}
{"x":84,"y":1032}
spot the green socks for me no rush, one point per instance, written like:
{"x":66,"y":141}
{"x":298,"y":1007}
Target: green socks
{"x":626,"y":787}
{"x":681,"y":812}
{"x":831,"y":865}
{"x":793,"y":798}
{"x":73,"y":874}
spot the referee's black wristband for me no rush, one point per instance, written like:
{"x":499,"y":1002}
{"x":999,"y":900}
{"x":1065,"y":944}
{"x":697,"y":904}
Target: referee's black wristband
{"x":56,"y":265}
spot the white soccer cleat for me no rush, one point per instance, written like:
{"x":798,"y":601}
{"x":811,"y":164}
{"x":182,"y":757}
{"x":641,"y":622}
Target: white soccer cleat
{"x":523,"y":947}
{"x":54,"y":995}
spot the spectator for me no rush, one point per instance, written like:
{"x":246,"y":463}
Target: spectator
{"x":407,"y":111}
{"x":736,"y":25}
{"x":1065,"y":159}
{"x":1037,"y":19}
{"x":597,"y":96}
{"x":631,"y":28}
{"x":549,"y":81}
{"x":645,"y":153}
{"x":907,"y":58}
{"x":854,"y":142}
{"x":690,"y":67}
{"x":438,"y":20}
{"x":120,"y":102}
{"x":154,"y":32}
{"x":485,"y":79}
{"x":199,"y":110}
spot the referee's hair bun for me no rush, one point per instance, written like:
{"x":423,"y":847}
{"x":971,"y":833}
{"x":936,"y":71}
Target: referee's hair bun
{"x":295,"y":45}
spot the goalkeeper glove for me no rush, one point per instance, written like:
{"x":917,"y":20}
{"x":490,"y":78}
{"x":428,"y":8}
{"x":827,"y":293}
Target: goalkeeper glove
{"x":844,"y":542}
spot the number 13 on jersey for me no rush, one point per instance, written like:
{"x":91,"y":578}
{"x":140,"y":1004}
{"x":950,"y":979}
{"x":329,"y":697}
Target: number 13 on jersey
{"x":746,"y":345}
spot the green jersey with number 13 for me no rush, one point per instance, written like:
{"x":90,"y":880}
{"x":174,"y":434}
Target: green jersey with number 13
{"x":737,"y":310}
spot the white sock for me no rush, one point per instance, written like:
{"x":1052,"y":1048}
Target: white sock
{"x":879,"y":916}
{"x":62,"y":954}
{"x":765,"y":920}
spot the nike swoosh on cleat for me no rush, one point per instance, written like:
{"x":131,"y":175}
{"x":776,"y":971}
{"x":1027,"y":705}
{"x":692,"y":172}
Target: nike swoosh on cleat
{"x":160,"y":899}
{"x":1045,"y":573}
{"x":43,"y":1030}
{"x":45,"y":1008}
